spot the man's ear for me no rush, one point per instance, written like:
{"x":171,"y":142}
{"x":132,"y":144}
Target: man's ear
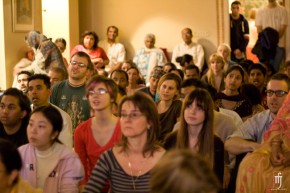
{"x":23,"y":114}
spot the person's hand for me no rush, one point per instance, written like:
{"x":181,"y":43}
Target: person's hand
{"x":277,"y":158}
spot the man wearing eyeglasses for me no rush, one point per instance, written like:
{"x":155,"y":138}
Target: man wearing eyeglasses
{"x":250,"y":134}
{"x":248,"y":137}
{"x":70,"y":94}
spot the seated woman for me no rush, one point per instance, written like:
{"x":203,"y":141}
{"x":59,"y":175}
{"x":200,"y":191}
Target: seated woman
{"x":149,"y":57}
{"x":189,"y":173}
{"x":89,"y":45}
{"x":215,"y":73}
{"x":196,"y":131}
{"x":49,"y":164}
{"x":267,"y":168}
{"x":230,"y":98}
{"x":61,"y":44}
{"x":133,"y":80}
{"x":225,"y":51}
{"x":10,"y":165}
{"x":169,"y":105}
{"x":103,"y":130}
{"x":128,"y":164}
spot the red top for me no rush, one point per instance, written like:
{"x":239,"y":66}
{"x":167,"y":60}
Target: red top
{"x":88,"y":149}
{"x":97,"y":53}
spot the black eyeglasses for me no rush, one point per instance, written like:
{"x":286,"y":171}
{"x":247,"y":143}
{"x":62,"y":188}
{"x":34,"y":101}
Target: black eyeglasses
{"x":278,"y":93}
{"x":100,"y":91}
{"x":81,"y":65}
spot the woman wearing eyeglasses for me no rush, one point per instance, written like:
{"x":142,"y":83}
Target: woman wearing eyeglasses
{"x":128,"y":164}
{"x":102,"y":131}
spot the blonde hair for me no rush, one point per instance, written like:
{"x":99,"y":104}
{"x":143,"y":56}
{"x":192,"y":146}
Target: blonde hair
{"x":210,"y":74}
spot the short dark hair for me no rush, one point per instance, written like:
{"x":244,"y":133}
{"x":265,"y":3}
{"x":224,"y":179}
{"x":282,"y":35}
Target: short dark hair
{"x":114,"y":27}
{"x":120,"y":71}
{"x":172,"y":66}
{"x":10,"y":157}
{"x":281,"y":76}
{"x":236,"y":67}
{"x":92,"y":33}
{"x":257,"y":67}
{"x":236,"y":3}
{"x":44,"y":77}
{"x":24,"y":72}
{"x":84,"y":55}
{"x":62,"y":40}
{"x":191,"y":67}
{"x":186,"y":58}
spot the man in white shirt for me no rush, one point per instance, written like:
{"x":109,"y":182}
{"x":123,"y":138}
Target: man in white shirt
{"x":275,"y":16}
{"x":114,"y":50}
{"x":189,"y":47}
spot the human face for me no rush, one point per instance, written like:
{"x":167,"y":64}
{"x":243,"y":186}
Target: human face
{"x":274,"y":102}
{"x":99,"y":98}
{"x":55,"y":77}
{"x":76,"y":72}
{"x":126,"y":66}
{"x":194,"y":115}
{"x":235,"y":10}
{"x":133,"y":122}
{"x":60,"y":46}
{"x":186,"y":36}
{"x":10,"y":111}
{"x":216,"y":66}
{"x":153,"y":84}
{"x":287,"y":71}
{"x":149,"y":43}
{"x":185,"y":91}
{"x":223,"y":51}
{"x":166,"y":68}
{"x":233,"y":80}
{"x":22,"y":81}
{"x":257,"y":78}
{"x":89,"y":41}
{"x":112,"y":34}
{"x":191,"y":73}
{"x":168,"y":90}
{"x":38,"y":93}
{"x":120,"y":79}
{"x":133,"y":75}
{"x":40,"y":132}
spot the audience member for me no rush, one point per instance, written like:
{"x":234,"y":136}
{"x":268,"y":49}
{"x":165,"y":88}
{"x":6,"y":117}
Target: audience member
{"x":215,"y":73}
{"x":127,"y":64}
{"x":230,"y":98}
{"x":196,"y":131}
{"x":61,"y":45}
{"x":49,"y":165}
{"x":275,"y":16}
{"x":184,"y":60}
{"x":134,"y":76}
{"x":178,"y":72}
{"x":22,"y":80}
{"x":39,"y":91}
{"x":225,"y":51}
{"x":168,"y":106}
{"x":14,"y":115}
{"x":287,"y":68}
{"x":101,"y":132}
{"x":121,"y":78}
{"x":89,"y":45}
{"x":189,"y":47}
{"x":10,"y":165}
{"x":155,"y":75}
{"x":149,"y":57}
{"x":191,"y":71}
{"x":239,"y":32}
{"x":183,"y":171}
{"x":56,"y":75}
{"x":69,"y":95}
{"x":128,"y":164}
{"x":168,"y":66}
{"x":115,"y":50}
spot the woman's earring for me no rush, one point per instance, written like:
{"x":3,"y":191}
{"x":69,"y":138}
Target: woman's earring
{"x":148,"y":127}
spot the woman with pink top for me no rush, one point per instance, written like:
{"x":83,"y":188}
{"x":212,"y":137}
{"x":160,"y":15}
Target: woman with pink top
{"x":48,"y":164}
{"x":103,"y":130}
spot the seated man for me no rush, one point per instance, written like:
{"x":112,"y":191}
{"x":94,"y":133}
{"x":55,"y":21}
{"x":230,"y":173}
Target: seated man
{"x":56,"y":75}
{"x":22,"y":80}
{"x":191,"y":71}
{"x":39,"y":92}
{"x":14,"y":116}
{"x":120,"y":77}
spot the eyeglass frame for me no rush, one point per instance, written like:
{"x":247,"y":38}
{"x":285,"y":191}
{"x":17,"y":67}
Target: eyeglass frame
{"x":80,"y":64}
{"x":100,"y":91}
{"x":278,"y":93}
{"x":132,"y":116}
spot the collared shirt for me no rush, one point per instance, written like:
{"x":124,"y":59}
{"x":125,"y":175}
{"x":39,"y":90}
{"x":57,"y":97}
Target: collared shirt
{"x":193,"y":49}
{"x":254,"y":127}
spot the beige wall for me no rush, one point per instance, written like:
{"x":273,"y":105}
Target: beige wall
{"x":14,"y":44}
{"x":164,"y":18}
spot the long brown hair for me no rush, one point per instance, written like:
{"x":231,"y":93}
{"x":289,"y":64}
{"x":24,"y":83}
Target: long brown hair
{"x":146,"y":106}
{"x":206,"y":135}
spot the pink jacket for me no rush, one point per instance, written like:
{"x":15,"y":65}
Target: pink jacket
{"x":65,"y":177}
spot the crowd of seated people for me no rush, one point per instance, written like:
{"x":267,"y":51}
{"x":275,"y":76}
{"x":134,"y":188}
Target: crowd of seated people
{"x":101,"y":122}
